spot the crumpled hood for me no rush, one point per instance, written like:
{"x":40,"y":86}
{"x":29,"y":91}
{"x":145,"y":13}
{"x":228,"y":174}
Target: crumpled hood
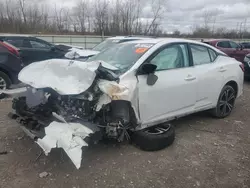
{"x":67,"y":77}
{"x":78,"y":53}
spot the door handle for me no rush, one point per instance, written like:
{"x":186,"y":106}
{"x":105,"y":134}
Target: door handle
{"x":190,"y":78}
{"x":222,"y":69}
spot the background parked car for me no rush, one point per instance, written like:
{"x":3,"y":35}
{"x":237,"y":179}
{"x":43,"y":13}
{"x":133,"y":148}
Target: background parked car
{"x":247,"y":67}
{"x":108,"y":43}
{"x":246,"y":45}
{"x":231,"y":48}
{"x":32,"y":49}
{"x":10,"y":65}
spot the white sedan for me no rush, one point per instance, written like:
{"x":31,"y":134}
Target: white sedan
{"x":130,"y":91}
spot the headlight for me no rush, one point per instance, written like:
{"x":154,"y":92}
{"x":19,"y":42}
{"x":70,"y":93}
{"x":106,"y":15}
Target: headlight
{"x":114,"y":90}
{"x":247,"y":59}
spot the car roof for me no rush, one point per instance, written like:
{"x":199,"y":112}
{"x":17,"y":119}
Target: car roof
{"x":166,"y":40}
{"x":216,"y":40}
{"x":173,"y":40}
{"x":128,"y":37}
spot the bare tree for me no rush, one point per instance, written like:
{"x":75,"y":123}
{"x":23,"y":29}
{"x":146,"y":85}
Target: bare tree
{"x":22,"y":8}
{"x":101,"y":16}
{"x":158,"y":7}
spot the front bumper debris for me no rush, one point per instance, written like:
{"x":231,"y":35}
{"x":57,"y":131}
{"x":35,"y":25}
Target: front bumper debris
{"x":71,"y":137}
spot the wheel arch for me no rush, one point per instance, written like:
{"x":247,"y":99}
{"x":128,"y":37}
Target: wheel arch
{"x":122,"y":109}
{"x":234,"y":85}
{"x":7,"y":73}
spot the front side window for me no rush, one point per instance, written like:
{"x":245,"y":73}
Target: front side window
{"x":38,"y":45}
{"x":224,"y":44}
{"x":172,"y":57}
{"x":200,"y":54}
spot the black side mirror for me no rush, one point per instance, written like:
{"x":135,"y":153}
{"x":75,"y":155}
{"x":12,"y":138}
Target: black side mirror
{"x":53,"y":48}
{"x":148,"y":68}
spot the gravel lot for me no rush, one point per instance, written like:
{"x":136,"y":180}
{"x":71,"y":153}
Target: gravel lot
{"x":206,"y":153}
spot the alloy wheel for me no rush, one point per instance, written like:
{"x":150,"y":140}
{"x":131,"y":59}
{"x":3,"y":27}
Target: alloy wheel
{"x":226,"y":101}
{"x":3,"y":83}
{"x":160,"y":129}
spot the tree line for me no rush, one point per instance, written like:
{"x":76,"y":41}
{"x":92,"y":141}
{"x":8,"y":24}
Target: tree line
{"x":101,"y":17}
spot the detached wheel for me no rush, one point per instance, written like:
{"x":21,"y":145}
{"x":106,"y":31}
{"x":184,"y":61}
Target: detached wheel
{"x":154,"y":138}
{"x":225,"y":102}
{"x":5,"y":83}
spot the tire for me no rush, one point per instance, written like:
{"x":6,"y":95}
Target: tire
{"x":5,"y":83}
{"x":154,"y":138}
{"x":225,"y":102}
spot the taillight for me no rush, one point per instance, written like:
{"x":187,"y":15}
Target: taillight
{"x":10,"y":48}
{"x":242,"y":67}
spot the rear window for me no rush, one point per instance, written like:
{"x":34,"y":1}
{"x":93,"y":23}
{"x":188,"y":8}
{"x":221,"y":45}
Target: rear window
{"x":15,"y":42}
{"x":108,"y":43}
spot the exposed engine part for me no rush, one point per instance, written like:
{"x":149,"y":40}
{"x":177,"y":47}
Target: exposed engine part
{"x":118,"y":118}
{"x":70,"y":108}
{"x":117,"y":131}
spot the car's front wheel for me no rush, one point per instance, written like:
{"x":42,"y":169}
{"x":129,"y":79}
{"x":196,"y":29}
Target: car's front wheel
{"x":154,"y":138}
{"x":225,"y":102}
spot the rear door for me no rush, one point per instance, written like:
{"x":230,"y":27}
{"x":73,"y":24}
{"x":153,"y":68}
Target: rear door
{"x":209,"y":75}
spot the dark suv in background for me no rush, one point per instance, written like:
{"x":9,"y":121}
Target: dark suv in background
{"x":10,"y":65}
{"x":33,"y":49}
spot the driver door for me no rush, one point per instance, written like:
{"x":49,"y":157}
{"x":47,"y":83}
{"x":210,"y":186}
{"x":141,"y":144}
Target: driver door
{"x":174,"y":93}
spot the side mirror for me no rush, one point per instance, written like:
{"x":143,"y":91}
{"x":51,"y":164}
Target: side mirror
{"x":148,"y":68}
{"x":53,"y":48}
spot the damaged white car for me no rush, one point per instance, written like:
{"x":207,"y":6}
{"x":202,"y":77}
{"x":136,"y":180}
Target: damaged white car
{"x":129,"y":91}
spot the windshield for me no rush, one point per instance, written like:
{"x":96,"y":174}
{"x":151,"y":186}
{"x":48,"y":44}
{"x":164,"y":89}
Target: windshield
{"x":123,"y":55}
{"x":105,"y":44}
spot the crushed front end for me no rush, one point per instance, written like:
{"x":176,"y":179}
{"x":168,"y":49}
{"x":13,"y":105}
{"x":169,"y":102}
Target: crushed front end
{"x":73,"y":121}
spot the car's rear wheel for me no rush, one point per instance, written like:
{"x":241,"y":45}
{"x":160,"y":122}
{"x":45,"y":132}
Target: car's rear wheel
{"x":225,"y":102}
{"x":154,"y":138}
{"x":5,"y":83}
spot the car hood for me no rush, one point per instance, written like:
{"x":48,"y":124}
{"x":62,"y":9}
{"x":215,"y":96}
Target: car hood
{"x":66,"y":77}
{"x":75,"y":53}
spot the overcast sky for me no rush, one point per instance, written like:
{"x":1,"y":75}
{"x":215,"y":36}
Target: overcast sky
{"x":184,"y":15}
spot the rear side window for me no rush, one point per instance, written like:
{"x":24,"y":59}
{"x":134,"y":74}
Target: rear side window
{"x":200,"y":54}
{"x":224,"y":44}
{"x":213,"y":54}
